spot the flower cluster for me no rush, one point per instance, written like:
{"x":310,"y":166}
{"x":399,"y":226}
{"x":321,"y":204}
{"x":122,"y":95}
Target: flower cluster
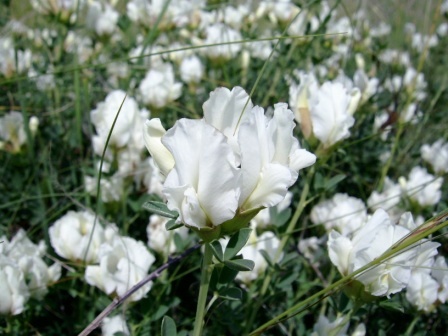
{"x":23,"y":272}
{"x":115,"y":263}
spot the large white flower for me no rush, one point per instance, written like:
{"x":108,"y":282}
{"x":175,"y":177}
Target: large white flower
{"x":204,"y":184}
{"x":233,"y":160}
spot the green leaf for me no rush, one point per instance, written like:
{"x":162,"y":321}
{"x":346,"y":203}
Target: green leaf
{"x":334,"y":180}
{"x":168,"y":326}
{"x":161,"y":311}
{"x":227,"y":275}
{"x":318,"y":181}
{"x":282,"y":217}
{"x":160,"y":208}
{"x":240,"y":264}
{"x":217,"y":250}
{"x":172,"y":225}
{"x":236,"y":243}
{"x":392,"y":306}
{"x":267,"y":257}
{"x":232,"y":293}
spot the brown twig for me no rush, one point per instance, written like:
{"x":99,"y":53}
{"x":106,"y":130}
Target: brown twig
{"x":119,"y":300}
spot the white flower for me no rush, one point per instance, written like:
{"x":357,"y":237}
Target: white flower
{"x":422,"y":291}
{"x":179,"y":12}
{"x":13,"y":291}
{"x":268,"y":242}
{"x":115,"y":324}
{"x":111,"y":189}
{"x":270,"y":157}
{"x":70,"y":235}
{"x":309,"y":246}
{"x":324,"y":111}
{"x":222,"y":34}
{"x":152,"y":135}
{"x":440,"y":273}
{"x":12,"y":131}
{"x":126,"y":128}
{"x":423,"y":187}
{"x":436,"y":155}
{"x":388,"y":199}
{"x":344,"y":213}
{"x":123,"y":263}
{"x":13,"y":60}
{"x":224,"y":165}
{"x":160,"y":239}
{"x":203,"y":185}
{"x":149,"y":175}
{"x":159,"y":87}
{"x":415,"y":83}
{"x":101,"y":17}
{"x":367,"y":86}
{"x":367,"y":244}
{"x":191,"y":69}
{"x":29,"y":258}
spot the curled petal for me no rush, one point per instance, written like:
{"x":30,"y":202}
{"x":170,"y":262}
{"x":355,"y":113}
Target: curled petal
{"x":203,"y":186}
{"x":152,"y":136}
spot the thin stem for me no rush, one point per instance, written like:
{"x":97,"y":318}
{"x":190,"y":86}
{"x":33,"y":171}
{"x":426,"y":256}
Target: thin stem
{"x":206,"y":273}
{"x":291,"y":226}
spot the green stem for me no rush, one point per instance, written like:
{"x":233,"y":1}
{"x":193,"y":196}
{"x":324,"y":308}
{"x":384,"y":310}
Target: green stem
{"x":291,"y":226}
{"x":206,"y":273}
{"x":411,"y":327}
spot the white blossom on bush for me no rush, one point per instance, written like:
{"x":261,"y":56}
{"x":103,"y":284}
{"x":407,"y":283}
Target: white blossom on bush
{"x":159,"y":87}
{"x":191,"y":69}
{"x":70,"y":235}
{"x":13,"y":290}
{"x":367,"y":244}
{"x":323,"y":111}
{"x":101,"y":17}
{"x":422,"y":187}
{"x":436,"y":155}
{"x":123,"y":262}
{"x":127,"y":129}
{"x":344,"y":213}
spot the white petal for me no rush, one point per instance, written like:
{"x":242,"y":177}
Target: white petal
{"x":206,"y":163}
{"x":339,"y":250}
{"x":301,"y":158}
{"x":152,"y":135}
{"x":224,"y":111}
{"x":272,"y":187}
{"x":330,"y":117}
